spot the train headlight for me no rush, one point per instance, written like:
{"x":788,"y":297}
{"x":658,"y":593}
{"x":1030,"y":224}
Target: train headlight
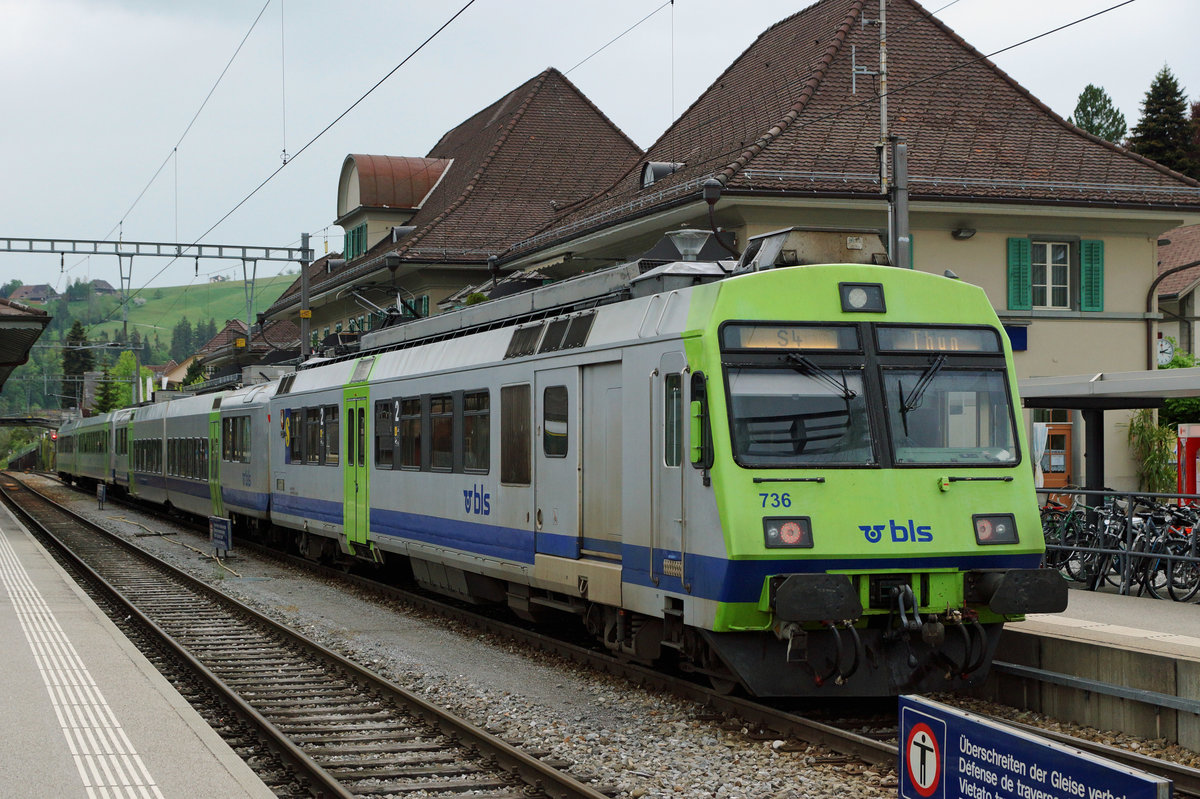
{"x":790,"y":532}
{"x":1000,"y":528}
{"x":862,"y":297}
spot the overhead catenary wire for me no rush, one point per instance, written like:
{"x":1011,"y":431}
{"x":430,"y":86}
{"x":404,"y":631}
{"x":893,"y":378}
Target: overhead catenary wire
{"x":308,"y":144}
{"x":618,"y":37}
{"x":717,"y":157}
{"x":195,"y":116}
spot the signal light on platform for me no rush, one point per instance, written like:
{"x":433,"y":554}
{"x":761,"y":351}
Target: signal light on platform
{"x":54,"y":435}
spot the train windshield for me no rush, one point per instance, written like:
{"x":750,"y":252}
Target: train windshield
{"x":949,"y":416}
{"x":797,"y":416}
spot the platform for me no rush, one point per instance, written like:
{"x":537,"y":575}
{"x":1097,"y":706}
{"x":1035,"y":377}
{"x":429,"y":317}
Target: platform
{"x":85,"y":714}
{"x":1149,"y":645}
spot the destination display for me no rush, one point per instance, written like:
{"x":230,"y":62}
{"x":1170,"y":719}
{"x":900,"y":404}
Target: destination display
{"x":938,"y":339}
{"x":789,"y":337}
{"x":946,"y":753}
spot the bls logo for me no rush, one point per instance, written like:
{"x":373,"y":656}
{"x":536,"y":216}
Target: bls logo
{"x":900,"y":533}
{"x":476,"y":501}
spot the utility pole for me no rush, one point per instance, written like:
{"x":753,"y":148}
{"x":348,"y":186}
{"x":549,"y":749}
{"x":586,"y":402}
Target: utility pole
{"x":305,"y":311}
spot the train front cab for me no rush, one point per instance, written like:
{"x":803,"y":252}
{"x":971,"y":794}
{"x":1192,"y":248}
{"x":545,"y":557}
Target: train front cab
{"x":878,"y":511}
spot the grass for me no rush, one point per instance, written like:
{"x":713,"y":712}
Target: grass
{"x":164,"y":307}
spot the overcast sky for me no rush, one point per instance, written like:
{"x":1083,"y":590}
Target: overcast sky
{"x":97,"y":93}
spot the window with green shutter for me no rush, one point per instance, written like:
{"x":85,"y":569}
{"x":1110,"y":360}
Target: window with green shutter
{"x":1062,"y":275}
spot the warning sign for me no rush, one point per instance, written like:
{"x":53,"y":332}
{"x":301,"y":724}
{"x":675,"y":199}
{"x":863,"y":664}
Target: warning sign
{"x":945,"y":752}
{"x":924,"y":760}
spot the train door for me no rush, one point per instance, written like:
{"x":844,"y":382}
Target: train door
{"x":667,"y":453}
{"x":214,"y":463}
{"x":600,"y":531}
{"x":557,"y":458}
{"x":356,"y":508}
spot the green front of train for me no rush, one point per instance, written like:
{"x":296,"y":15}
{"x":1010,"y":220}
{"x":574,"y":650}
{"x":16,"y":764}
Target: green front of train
{"x":860,"y":431}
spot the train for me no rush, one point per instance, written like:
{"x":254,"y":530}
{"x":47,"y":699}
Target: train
{"x":790,"y":479}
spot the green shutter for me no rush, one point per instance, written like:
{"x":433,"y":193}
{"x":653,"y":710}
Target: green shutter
{"x":1091,"y":275}
{"x":1020,"y":277}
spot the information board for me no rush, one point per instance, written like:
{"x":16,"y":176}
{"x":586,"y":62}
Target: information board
{"x":946,"y":753}
{"x":220,"y":533}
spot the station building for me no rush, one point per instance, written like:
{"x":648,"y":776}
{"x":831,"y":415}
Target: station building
{"x":1059,"y":227}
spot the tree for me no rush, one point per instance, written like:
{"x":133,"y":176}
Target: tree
{"x":106,"y":395}
{"x":195,"y":373}
{"x":1178,"y":410}
{"x":1163,"y":132}
{"x":182,"y":340}
{"x":8,"y":288}
{"x":75,"y":362}
{"x":122,"y":373}
{"x":1096,"y":114}
{"x":78,"y":291}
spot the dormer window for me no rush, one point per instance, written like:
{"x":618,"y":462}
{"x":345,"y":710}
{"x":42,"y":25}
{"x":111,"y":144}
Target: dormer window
{"x":657,"y":170}
{"x":356,"y":241}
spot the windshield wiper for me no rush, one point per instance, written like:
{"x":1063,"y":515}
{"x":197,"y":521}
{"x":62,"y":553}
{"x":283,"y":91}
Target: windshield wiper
{"x":806,"y":367}
{"x":913,"y":400}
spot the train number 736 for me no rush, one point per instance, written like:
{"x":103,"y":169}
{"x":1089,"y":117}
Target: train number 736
{"x":776,"y":500}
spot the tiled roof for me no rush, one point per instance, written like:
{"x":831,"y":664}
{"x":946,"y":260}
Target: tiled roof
{"x":1183,"y":249}
{"x":784,"y":119}
{"x":539,"y":149}
{"x":234,"y":328}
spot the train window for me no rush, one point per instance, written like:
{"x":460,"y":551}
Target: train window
{"x":942,"y":416}
{"x":441,"y":432}
{"x":333,"y":433}
{"x":523,"y":342}
{"x":385,"y":432}
{"x":293,"y":422}
{"x":476,"y":432}
{"x":410,"y":433}
{"x":362,"y":435}
{"x":555,"y":422}
{"x":242,"y":425}
{"x":515,"y":461}
{"x":312,"y":435}
{"x":673,"y":420}
{"x":793,"y":417}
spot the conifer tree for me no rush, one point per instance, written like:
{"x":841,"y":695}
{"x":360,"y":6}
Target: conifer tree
{"x":1163,"y":132}
{"x":1095,"y":113}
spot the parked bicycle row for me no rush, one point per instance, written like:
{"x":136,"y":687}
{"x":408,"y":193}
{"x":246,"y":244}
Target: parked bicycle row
{"x":1138,"y":543}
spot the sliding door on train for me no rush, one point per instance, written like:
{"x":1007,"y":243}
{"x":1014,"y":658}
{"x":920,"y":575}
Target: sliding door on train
{"x":556,"y":462}
{"x":356,"y":508}
{"x":667,"y":452}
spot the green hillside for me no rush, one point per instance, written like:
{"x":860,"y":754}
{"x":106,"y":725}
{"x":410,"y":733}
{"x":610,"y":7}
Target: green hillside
{"x":158,"y":310}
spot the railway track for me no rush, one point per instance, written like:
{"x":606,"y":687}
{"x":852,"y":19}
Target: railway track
{"x":343,"y":730}
{"x":864,"y":739}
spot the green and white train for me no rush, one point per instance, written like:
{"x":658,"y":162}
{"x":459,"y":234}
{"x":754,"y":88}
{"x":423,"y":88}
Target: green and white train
{"x":805,"y":480}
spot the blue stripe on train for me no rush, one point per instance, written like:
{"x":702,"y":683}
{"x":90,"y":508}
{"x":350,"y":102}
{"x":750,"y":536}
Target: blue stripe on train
{"x":709,"y":577}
